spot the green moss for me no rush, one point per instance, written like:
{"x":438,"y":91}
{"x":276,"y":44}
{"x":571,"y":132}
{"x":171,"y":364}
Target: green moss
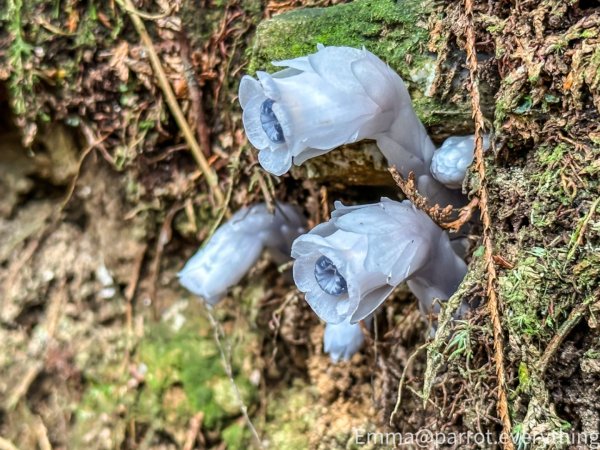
{"x":389,"y":30}
{"x":182,"y":374}
{"x":556,"y":269}
{"x":21,"y":82}
{"x":191,"y":359}
{"x":291,"y":416}
{"x":524,"y":377}
{"x":533,"y":292}
{"x":235,"y":436}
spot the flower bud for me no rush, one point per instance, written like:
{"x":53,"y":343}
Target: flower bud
{"x":236,"y":246}
{"x":450,"y":162}
{"x":341,"y":341}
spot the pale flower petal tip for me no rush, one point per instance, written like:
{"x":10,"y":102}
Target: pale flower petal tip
{"x":341,"y":341}
{"x":236,"y":246}
{"x":317,"y":104}
{"x":451,"y":161}
{"x":349,"y":266}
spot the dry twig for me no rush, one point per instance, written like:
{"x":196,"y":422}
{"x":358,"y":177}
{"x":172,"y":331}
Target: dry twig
{"x":5,"y":444}
{"x":165,"y":86}
{"x":563,"y":332}
{"x":193,"y":433}
{"x":225,"y":358}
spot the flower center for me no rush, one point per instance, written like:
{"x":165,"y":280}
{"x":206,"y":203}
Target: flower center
{"x":269,"y":122}
{"x":328,"y":277}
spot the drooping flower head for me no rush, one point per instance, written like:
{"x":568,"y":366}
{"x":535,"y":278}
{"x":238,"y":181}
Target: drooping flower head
{"x":450,"y":162}
{"x":337,"y":96}
{"x":341,"y":341}
{"x":348,"y":266}
{"x":236,"y":246}
{"x":333,"y":97}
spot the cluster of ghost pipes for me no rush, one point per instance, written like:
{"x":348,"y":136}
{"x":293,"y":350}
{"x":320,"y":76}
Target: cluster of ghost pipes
{"x":350,"y":264}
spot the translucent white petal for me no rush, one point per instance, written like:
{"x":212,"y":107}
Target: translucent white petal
{"x":413,"y":257}
{"x":324,"y":229}
{"x":251,"y":220}
{"x":343,"y":240}
{"x":426,"y":294}
{"x":372,"y":219}
{"x":276,"y":162}
{"x":249,"y":88}
{"x":342,"y":340}
{"x":236,"y":245}
{"x":309,"y":153}
{"x":269,"y":85}
{"x":304,"y":273}
{"x":376,"y":85}
{"x":300,"y":64}
{"x":252,"y":124}
{"x":308,"y":244}
{"x":397,"y":155}
{"x":220,"y":264}
{"x":286,"y":73}
{"x":370,"y":301}
{"x":333,"y":64}
{"x":408,"y":132}
{"x":354,"y":129}
{"x":329,"y":308}
{"x":321,"y":116}
{"x":277,"y":229}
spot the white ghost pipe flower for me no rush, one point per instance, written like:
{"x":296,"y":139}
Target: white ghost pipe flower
{"x":348,"y":266}
{"x":337,"y":96}
{"x":450,"y":162}
{"x":236,"y":246}
{"x":342,"y":340}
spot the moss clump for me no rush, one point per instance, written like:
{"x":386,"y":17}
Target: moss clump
{"x":390,"y":30}
{"x":540,"y":290}
{"x":530,"y":291}
{"x":190,"y":358}
{"x":182,"y":375}
{"x":291,"y":417}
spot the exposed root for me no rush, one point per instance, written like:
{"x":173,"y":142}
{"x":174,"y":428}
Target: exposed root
{"x":493,"y":307}
{"x":573,"y":319}
{"x":403,"y":377}
{"x":441,"y":216}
